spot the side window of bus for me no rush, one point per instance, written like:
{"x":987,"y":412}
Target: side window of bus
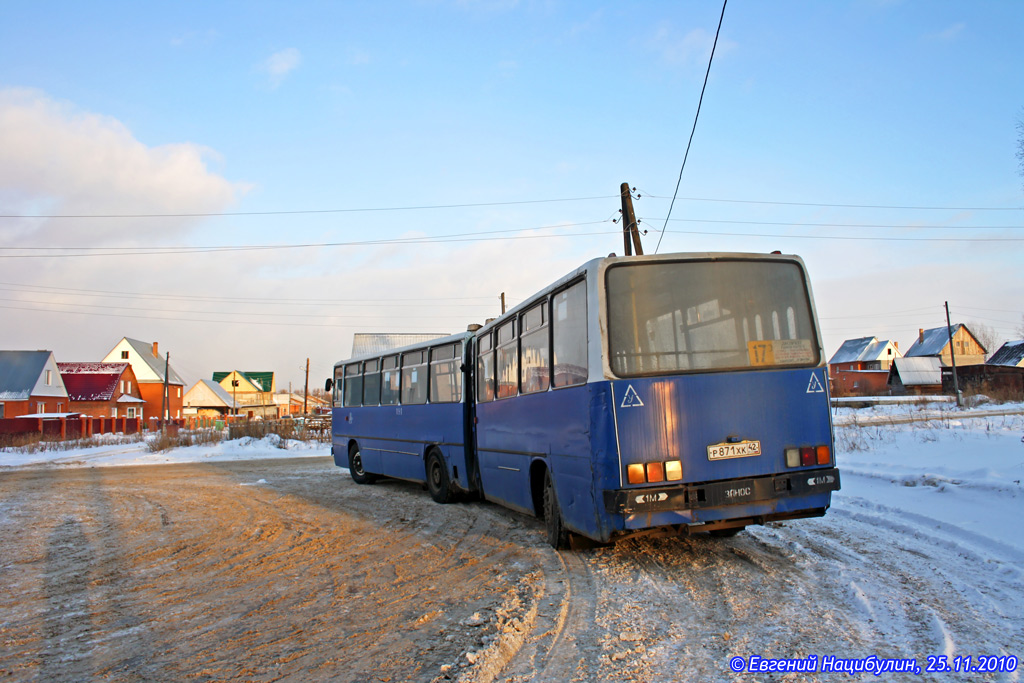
{"x":535,"y":347}
{"x":484,"y":368}
{"x":371,"y":382}
{"x":508,"y":360}
{"x":569,"y":335}
{"x":339,"y":374}
{"x":353,"y":385}
{"x":414,"y":378}
{"x":389,"y":381}
{"x":445,"y":374}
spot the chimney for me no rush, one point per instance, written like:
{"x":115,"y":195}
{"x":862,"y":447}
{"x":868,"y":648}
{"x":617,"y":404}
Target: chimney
{"x":920,"y":336}
{"x":155,"y":354}
{"x":897,"y":345}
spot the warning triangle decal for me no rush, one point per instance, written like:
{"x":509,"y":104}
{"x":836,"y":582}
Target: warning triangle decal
{"x":631,"y":399}
{"x":814,"y":386}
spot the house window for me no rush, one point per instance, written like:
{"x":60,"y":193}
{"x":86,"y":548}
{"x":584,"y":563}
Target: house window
{"x":1,"y":411}
{"x":40,"y":408}
{"x":179,"y":392}
{"x":49,"y":377}
{"x":113,"y":412}
{"x":124,"y":355}
{"x":60,"y":407}
{"x":131,"y":412}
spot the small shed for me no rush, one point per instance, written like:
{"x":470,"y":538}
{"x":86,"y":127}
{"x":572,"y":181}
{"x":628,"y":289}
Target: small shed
{"x":915,"y":376}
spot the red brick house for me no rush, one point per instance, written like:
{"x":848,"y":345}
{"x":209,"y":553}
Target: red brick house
{"x":30,"y":384}
{"x":102,"y":389}
{"x":149,"y":368}
{"x":861,"y":367}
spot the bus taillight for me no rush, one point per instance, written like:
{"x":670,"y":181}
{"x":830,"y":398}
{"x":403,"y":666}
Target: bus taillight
{"x":674,"y":470}
{"x":654,"y":472}
{"x":808,"y":456}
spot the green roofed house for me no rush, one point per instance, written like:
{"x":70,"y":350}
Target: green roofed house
{"x":251,"y":392}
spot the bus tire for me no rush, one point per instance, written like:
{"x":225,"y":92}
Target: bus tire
{"x":355,"y":467}
{"x":437,"y":479}
{"x":726,"y":533}
{"x":557,"y":535}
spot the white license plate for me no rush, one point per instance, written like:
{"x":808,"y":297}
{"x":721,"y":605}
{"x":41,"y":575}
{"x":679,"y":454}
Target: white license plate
{"x":743,"y":449}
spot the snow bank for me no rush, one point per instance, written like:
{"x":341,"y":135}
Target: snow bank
{"x":139,"y":454}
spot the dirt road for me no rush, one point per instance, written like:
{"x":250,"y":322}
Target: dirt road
{"x":286,"y":571}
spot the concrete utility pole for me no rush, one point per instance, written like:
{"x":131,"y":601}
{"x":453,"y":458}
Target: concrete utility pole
{"x":305,"y":392}
{"x":164,"y":408}
{"x":630,"y":233}
{"x":952,"y":356}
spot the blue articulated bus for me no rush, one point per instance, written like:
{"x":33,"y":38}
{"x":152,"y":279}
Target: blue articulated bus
{"x":666,"y":394}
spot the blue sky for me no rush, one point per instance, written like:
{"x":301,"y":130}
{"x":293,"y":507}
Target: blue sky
{"x":238,"y":108}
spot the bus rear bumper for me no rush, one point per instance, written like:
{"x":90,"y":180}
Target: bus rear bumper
{"x":760,"y":499}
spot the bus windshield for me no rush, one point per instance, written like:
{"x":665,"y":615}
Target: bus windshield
{"x":680,"y":316}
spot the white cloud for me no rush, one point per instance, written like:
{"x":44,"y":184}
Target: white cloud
{"x":280,"y":64}
{"x":950,"y":33}
{"x":689,"y":50}
{"x":58,"y":159}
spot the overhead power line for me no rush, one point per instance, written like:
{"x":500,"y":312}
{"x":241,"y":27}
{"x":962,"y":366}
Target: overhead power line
{"x":297,"y":212}
{"x":694,"y":129}
{"x":81,"y":252}
{"x":840,"y":206}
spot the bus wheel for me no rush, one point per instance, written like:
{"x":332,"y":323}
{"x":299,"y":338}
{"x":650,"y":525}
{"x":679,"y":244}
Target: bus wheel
{"x":437,"y":479}
{"x":558,"y":537}
{"x":355,"y":467}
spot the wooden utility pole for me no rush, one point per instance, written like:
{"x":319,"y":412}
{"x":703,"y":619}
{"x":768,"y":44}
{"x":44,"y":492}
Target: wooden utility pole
{"x":502,"y":297}
{"x":630,"y":232}
{"x":305,"y":392}
{"x":952,"y":356}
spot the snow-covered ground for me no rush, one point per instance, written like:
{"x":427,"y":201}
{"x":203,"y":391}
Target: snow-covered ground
{"x":953,"y":472}
{"x":921,"y":556}
{"x":138,"y":453}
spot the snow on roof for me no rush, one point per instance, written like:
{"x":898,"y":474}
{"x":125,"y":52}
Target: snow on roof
{"x":919,"y":371}
{"x":89,"y":368}
{"x":932,"y":342}
{"x":1010,"y":354}
{"x":863,"y":349}
{"x":91,"y":381}
{"x":19,"y":372}
{"x":364,"y":343}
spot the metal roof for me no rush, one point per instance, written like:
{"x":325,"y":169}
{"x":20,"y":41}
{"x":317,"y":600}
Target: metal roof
{"x":263,"y":381}
{"x":863,"y":349}
{"x":918,"y":371}
{"x":1010,"y":354}
{"x":156,"y":363}
{"x":91,"y":381}
{"x":932,"y":342}
{"x":217,"y":390}
{"x":364,"y":343}
{"x":19,"y":373}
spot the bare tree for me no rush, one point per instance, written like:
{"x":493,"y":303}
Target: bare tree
{"x":1020,"y":328}
{"x":986,"y":336}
